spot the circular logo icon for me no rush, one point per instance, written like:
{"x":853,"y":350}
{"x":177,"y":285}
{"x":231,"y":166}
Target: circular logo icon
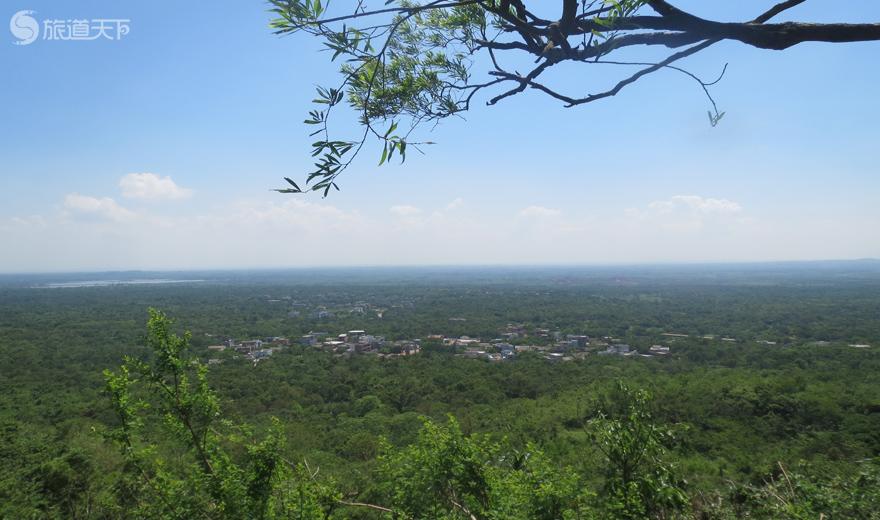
{"x":24,"y":27}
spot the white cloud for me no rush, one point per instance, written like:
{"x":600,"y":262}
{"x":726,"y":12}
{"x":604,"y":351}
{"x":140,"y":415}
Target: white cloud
{"x":689,"y":215}
{"x":539,"y":212}
{"x":405,"y":211}
{"x":32,"y":220}
{"x":151,"y":186}
{"x":455,"y":204}
{"x":695,"y":203}
{"x":292,"y":214}
{"x":104,"y":207}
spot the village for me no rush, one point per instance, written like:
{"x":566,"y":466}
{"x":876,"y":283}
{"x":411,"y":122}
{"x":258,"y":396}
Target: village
{"x":512,"y":341}
{"x":349,"y":343}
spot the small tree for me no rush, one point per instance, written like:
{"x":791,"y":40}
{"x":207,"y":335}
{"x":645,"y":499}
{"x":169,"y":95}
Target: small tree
{"x":639,"y":480}
{"x":196,"y":474}
{"x":443,"y":475}
{"x":446,"y":474}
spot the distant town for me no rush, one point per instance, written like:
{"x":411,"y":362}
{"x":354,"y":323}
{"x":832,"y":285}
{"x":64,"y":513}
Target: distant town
{"x":553,"y":346}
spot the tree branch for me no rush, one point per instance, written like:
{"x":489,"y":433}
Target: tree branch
{"x":422,"y":70}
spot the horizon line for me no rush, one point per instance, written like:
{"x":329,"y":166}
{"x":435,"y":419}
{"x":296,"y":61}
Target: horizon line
{"x":338,"y":267}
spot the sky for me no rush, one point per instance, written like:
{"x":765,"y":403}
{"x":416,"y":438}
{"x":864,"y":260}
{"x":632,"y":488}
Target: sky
{"x":159,"y":150}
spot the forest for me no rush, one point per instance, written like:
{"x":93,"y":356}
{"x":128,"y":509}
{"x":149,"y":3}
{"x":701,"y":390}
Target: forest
{"x":112,"y":405}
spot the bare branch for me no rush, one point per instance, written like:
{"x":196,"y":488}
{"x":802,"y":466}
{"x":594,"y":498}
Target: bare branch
{"x":635,"y":77}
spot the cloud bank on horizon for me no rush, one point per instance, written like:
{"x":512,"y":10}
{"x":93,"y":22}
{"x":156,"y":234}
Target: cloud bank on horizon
{"x":89,"y":232}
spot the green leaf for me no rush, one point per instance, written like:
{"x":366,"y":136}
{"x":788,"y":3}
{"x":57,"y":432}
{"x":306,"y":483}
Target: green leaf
{"x":289,"y":180}
{"x":392,"y":128}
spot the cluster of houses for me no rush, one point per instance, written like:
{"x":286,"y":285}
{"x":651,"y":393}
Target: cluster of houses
{"x":359,"y":342}
{"x":348,"y":343}
{"x":323,"y":312}
{"x":511,"y":341}
{"x":253,"y":349}
{"x":555,"y":346}
{"x":552,"y":345}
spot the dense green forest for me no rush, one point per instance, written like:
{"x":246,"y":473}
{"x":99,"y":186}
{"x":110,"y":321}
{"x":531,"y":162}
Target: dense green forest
{"x":782,"y":420}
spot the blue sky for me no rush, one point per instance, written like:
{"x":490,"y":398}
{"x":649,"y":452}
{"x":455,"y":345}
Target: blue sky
{"x":159,"y":150}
